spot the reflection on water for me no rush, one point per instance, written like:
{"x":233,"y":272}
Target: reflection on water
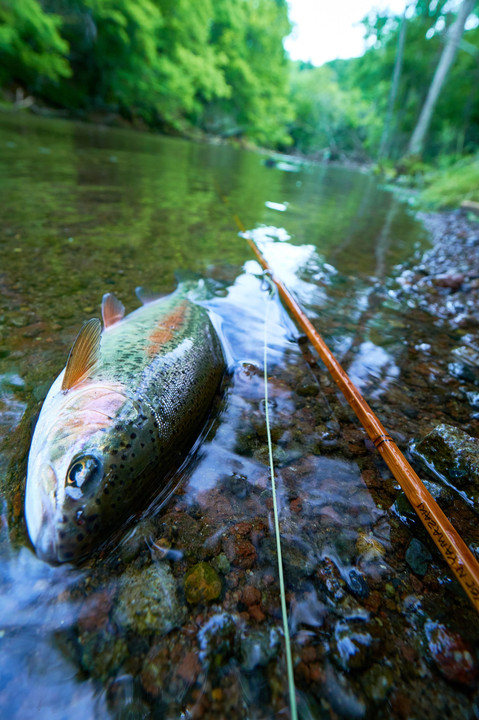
{"x":181,"y":618}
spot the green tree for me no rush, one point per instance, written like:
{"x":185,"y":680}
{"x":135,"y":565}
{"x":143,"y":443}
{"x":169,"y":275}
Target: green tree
{"x":31,"y":47}
{"x":248,"y":35}
{"x":448,"y":55}
{"x":328,"y":119}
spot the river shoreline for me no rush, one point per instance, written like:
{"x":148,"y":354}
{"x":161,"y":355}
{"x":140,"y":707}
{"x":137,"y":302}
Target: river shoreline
{"x":446,"y":278}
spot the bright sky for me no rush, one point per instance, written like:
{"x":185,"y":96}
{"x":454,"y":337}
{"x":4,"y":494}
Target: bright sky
{"x":329,"y":29}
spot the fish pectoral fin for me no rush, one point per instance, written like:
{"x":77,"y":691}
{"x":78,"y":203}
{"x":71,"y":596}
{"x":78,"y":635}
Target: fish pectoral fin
{"x":112,"y":309}
{"x":146,"y":296}
{"x":83,"y":355}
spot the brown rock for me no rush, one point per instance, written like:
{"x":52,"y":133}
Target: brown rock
{"x":256,"y":613}
{"x":308,"y":654}
{"x":296,"y":505}
{"x":251,"y":596}
{"x":202,"y":583}
{"x":302,"y":672}
{"x":189,"y":667}
{"x":154,"y":670}
{"x":452,"y":281}
{"x":316,"y":673}
{"x":240,"y":552}
{"x":95,"y":611}
{"x":451,"y":653}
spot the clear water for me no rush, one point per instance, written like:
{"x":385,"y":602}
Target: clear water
{"x":85,"y":210}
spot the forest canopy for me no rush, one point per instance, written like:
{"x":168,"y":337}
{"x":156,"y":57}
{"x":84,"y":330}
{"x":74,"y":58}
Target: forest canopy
{"x":219,"y":67}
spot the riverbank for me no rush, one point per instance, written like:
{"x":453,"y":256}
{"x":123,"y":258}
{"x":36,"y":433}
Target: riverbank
{"x":446,"y":279}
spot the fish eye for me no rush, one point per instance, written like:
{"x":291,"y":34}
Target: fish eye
{"x":83,"y":470}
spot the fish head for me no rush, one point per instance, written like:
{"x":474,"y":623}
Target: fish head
{"x":73,"y":498}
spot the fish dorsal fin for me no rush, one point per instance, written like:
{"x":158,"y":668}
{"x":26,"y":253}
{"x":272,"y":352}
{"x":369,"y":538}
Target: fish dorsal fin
{"x":112,"y":309}
{"x":83,"y":355}
{"x":146,"y":296}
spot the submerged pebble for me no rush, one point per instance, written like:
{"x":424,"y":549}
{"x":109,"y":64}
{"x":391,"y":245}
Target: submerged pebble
{"x":418,"y":557}
{"x":454,"y":457}
{"x":452,"y":655}
{"x":217,"y":640}
{"x":148,"y":600}
{"x":202,"y":583}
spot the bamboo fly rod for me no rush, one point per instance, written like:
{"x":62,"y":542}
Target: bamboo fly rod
{"x":450,"y":544}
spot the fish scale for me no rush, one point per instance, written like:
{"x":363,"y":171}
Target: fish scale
{"x":136,"y":400}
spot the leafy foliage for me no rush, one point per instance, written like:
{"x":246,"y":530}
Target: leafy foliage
{"x":174,"y":63}
{"x":31,"y":47}
{"x":449,"y":187}
{"x":329,"y":119}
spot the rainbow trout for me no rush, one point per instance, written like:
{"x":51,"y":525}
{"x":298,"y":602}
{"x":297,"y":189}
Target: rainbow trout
{"x":118,"y":421}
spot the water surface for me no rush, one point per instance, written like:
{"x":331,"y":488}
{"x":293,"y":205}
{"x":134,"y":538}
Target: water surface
{"x":85,"y":210}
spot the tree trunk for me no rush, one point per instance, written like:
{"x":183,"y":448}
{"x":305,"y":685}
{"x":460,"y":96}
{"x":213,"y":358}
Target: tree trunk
{"x":418,"y":137}
{"x":384,"y":147}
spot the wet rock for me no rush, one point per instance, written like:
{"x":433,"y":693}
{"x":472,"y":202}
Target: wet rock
{"x":136,"y":540}
{"x":95,"y":611}
{"x":202,"y":583}
{"x":240,"y":552}
{"x":148,"y":601}
{"x":357,"y":583}
{"x":308,"y":389}
{"x":453,"y":281}
{"x":155,"y":670}
{"x":454,"y":457}
{"x":258,"y":647}
{"x":418,"y":557}
{"x":451,"y":653}
{"x":297,"y":563}
{"x":342,"y":697}
{"x":368,"y":547}
{"x":377,"y":682}
{"x":462,"y":371}
{"x":308,"y":612}
{"x":473,"y":398}
{"x":125,"y":701}
{"x":101,"y":653}
{"x":221,"y":564}
{"x":403,"y":509}
{"x":281,"y":456}
{"x":217,"y":640}
{"x":251,"y":596}
{"x":352,"y":645}
{"x":330,"y":580}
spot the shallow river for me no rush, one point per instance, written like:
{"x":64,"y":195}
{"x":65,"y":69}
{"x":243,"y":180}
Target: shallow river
{"x":85,"y":210}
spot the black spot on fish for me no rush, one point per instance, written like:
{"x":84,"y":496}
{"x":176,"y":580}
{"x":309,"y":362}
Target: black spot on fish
{"x":133,"y":436}
{"x":80,"y":537}
{"x":98,"y":501}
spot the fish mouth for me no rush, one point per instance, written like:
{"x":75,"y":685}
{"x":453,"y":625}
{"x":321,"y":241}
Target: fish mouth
{"x":52,"y":545}
{"x":46,"y":545}
{"x":41,"y":512}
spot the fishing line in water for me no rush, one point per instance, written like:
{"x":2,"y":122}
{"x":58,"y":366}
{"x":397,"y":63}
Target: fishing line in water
{"x":284,"y":610}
